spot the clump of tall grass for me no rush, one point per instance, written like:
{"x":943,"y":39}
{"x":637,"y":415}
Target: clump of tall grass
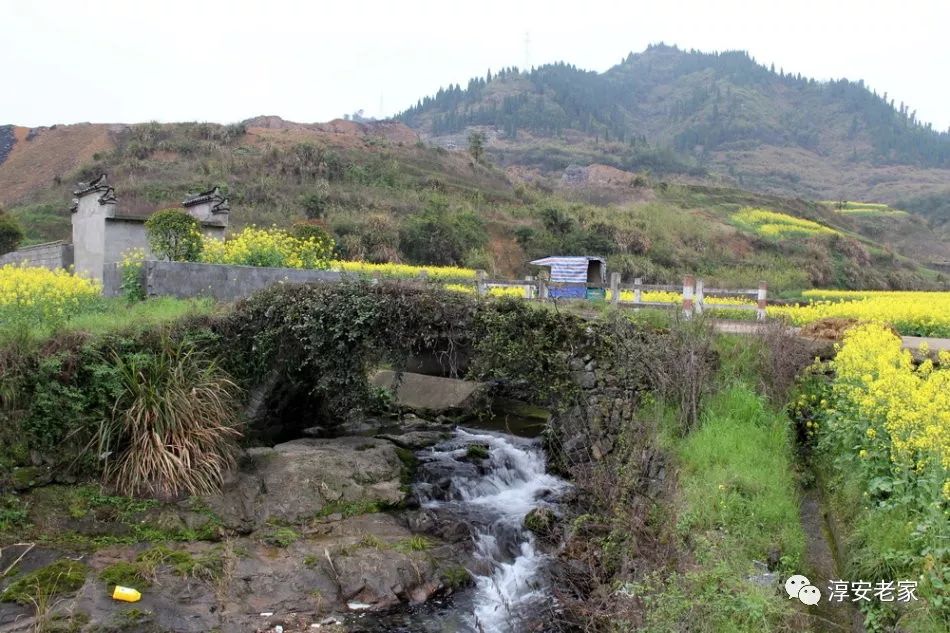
{"x":174,"y":426}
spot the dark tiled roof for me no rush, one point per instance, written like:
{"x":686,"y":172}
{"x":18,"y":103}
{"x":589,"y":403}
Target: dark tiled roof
{"x":204,"y":196}
{"x":219,"y":202}
{"x":95,"y":185}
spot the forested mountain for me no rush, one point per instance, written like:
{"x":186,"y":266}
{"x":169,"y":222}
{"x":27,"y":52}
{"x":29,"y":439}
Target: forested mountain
{"x":692,"y":101}
{"x":696,"y":113}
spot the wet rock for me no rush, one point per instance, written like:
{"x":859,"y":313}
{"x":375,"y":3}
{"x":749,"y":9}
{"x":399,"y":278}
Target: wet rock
{"x":415,"y":440}
{"x":301,"y":479}
{"x":766,"y":580}
{"x":585,"y":379}
{"x":542,"y":522}
{"x":415,"y":434}
{"x":448,"y":528}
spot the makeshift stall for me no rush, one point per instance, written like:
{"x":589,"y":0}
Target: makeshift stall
{"x":571,"y":275}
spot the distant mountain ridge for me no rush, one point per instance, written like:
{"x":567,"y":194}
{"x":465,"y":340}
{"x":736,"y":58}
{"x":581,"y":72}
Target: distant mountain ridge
{"x":721,"y":114}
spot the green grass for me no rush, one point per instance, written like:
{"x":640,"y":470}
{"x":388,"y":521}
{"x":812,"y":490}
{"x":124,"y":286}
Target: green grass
{"x":737,"y":479}
{"x":45,"y":514}
{"x":63,"y":576}
{"x":350,"y":508}
{"x":141,"y":572}
{"x":117,"y":315}
{"x":414,"y":543}
{"x":736,"y":503}
{"x":455,"y":577}
{"x":282,"y":537}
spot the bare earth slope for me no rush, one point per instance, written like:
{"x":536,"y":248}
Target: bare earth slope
{"x":41,"y":155}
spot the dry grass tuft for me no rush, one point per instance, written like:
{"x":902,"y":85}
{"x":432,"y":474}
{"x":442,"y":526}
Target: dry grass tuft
{"x":174,"y":427}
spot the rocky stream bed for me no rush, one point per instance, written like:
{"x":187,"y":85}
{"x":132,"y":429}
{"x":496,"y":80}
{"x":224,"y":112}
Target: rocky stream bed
{"x":408,"y":526}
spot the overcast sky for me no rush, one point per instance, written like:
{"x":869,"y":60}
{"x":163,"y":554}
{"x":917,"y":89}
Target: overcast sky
{"x":172,"y":60}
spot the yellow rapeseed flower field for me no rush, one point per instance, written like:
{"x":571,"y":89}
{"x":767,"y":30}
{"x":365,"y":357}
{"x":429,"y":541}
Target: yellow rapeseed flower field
{"x":672,"y":297}
{"x":903,"y":409}
{"x":39,"y":296}
{"x":911,"y":313}
{"x":774,"y":224}
{"x":403,"y":270}
{"x":494,"y":291}
{"x":272,"y":246}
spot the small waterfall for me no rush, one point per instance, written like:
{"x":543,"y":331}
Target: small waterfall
{"x":492,"y":496}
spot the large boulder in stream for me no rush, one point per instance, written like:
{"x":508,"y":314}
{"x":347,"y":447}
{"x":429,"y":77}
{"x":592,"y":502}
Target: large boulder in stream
{"x":309,"y":478}
{"x":415,"y":433}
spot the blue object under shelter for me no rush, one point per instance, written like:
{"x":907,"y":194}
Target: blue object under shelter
{"x":571,"y":274}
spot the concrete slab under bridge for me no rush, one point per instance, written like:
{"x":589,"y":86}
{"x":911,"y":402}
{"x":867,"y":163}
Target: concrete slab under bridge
{"x":433,"y":394}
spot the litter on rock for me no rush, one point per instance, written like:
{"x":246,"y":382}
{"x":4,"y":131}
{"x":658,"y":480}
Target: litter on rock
{"x":126,"y":594}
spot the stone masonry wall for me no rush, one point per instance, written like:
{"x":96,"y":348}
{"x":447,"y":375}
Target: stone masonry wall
{"x":52,"y":255}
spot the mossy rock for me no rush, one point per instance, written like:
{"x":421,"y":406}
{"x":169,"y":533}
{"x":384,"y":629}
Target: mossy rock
{"x":476,"y":452}
{"x":27,"y":477}
{"x":126,"y":574}
{"x":456,"y":577}
{"x":541,"y":521}
{"x":59,"y":578}
{"x":282,"y":537}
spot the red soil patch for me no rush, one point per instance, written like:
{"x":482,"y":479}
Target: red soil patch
{"x":509,"y":257}
{"x":338,"y":133}
{"x":51,"y":152}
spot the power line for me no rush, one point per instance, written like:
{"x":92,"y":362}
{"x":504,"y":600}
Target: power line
{"x":527,"y":50}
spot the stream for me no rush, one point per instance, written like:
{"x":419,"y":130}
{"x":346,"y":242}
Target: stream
{"x":491,"y":495}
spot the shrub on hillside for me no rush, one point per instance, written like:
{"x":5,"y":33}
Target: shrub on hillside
{"x":174,"y":235}
{"x":315,"y":203}
{"x":557,"y":220}
{"x":481,"y":259}
{"x":10,"y":233}
{"x":374,"y":239}
{"x":309,"y":230}
{"x":438,"y":236}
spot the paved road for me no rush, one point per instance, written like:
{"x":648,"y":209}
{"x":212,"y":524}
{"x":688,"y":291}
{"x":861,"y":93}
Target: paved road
{"x":934,"y":344}
{"x":749,"y":327}
{"x":910,"y":342}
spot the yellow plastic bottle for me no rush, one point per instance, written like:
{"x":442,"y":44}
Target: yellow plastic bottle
{"x":126,"y":594}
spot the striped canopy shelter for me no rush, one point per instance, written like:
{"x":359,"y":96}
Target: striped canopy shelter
{"x":575,"y":272}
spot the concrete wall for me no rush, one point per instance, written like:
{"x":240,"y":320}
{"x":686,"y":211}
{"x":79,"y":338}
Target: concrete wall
{"x":121,"y":236}
{"x":89,"y":227}
{"x":219,"y":281}
{"x":52,"y":255}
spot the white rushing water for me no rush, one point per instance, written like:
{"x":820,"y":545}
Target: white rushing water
{"x":493,"y":496}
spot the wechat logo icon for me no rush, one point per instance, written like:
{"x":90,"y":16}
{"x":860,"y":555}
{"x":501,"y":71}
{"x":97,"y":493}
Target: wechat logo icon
{"x":800,"y":587}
